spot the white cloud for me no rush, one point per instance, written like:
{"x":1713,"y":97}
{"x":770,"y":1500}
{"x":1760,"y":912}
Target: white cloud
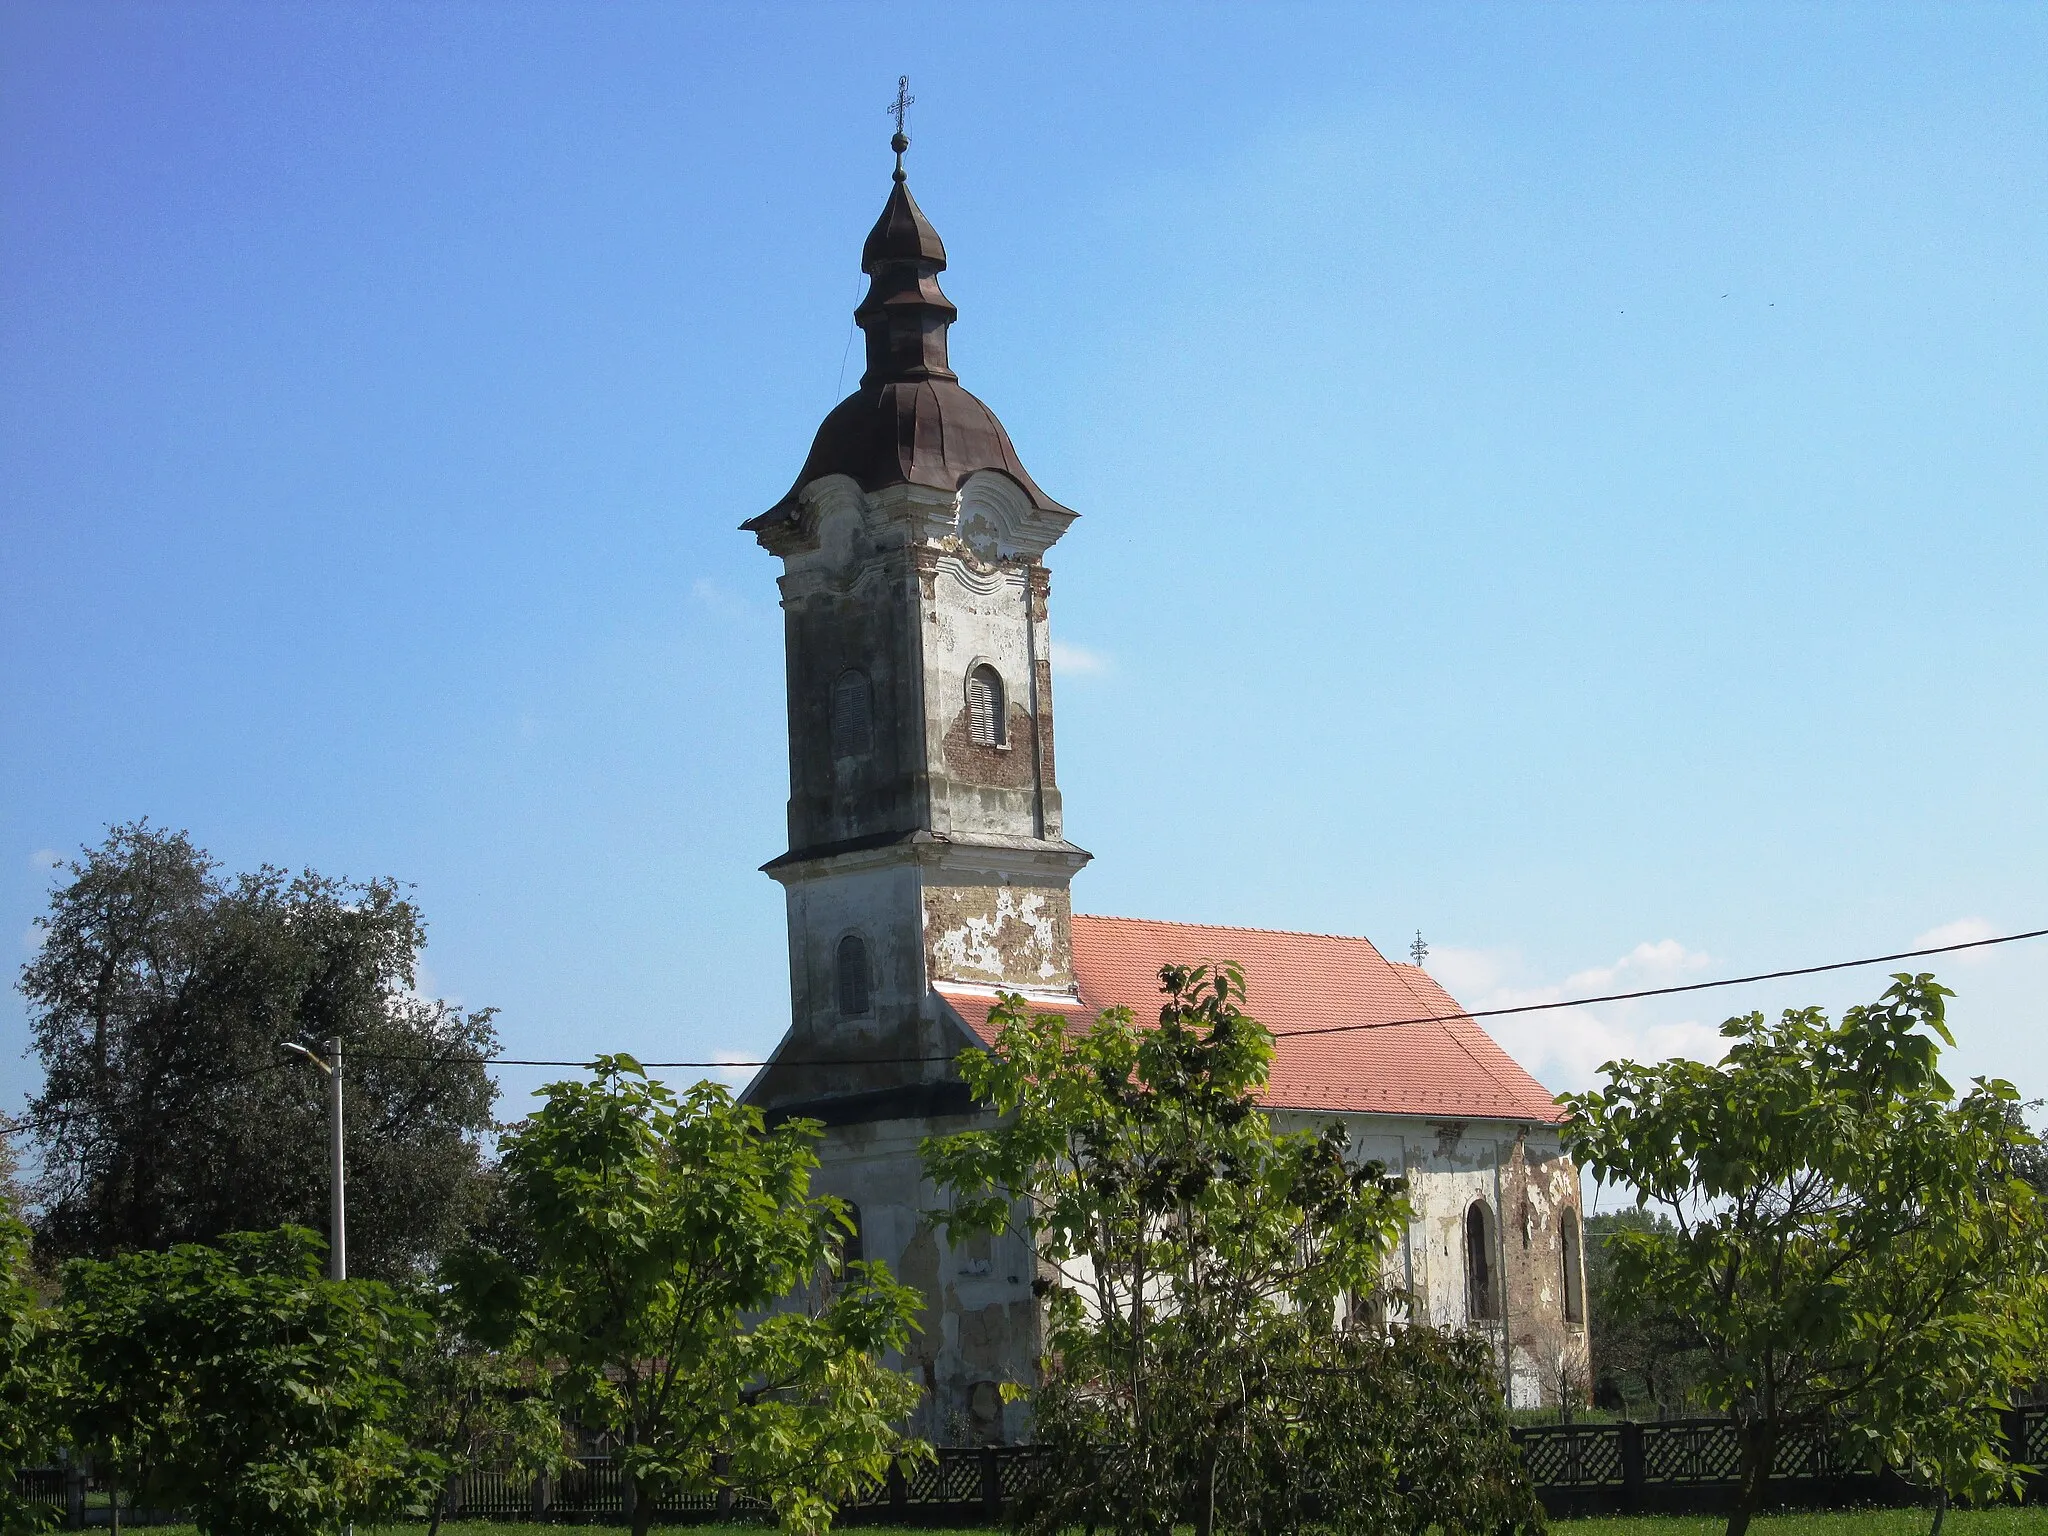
{"x":742,"y":1070}
{"x":426,"y":986}
{"x":45,"y":858}
{"x":1469,"y":973}
{"x":1963,"y":930}
{"x":1662,"y":964}
{"x":1564,"y":1047}
{"x":1076,"y":660}
{"x":711,"y":595}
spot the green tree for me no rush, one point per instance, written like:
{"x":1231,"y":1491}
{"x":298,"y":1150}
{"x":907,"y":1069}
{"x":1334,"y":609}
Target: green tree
{"x":686,"y":1283}
{"x":1848,"y":1238}
{"x":2030,"y":1158}
{"x":1397,"y":1431}
{"x":1205,"y":1268}
{"x":29,"y":1378}
{"x":169,"y":1112}
{"x":1645,"y":1359}
{"x":476,"y":1402}
{"x":237,"y":1384}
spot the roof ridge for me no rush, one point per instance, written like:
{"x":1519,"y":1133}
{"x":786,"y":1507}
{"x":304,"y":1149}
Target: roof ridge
{"x":1285,"y":933}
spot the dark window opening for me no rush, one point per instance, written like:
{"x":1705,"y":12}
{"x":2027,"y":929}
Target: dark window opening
{"x":1482,"y":1305}
{"x":985,"y":717}
{"x":1366,"y":1311}
{"x":1574,"y":1270}
{"x":853,"y":725}
{"x":853,"y":976}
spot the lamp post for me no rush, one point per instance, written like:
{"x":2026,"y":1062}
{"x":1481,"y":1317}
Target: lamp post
{"x":337,"y":1208}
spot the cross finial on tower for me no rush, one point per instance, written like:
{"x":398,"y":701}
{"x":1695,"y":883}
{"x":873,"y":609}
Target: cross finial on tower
{"x":900,"y":107}
{"x":1418,"y":949}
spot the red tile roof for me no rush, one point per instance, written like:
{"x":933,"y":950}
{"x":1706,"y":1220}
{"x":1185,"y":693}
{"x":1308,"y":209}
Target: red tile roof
{"x":1447,"y":1068}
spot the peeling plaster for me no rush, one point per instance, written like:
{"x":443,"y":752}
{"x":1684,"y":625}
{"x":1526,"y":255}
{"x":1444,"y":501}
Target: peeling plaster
{"x":1014,"y":935}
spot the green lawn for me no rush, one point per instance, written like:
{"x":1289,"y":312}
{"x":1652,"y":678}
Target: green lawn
{"x":2032,"y":1521}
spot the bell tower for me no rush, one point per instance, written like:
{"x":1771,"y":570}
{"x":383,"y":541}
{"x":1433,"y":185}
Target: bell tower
{"x":925,"y":843}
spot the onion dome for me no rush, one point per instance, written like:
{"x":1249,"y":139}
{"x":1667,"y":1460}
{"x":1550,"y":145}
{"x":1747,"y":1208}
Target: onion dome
{"x":910,"y":422}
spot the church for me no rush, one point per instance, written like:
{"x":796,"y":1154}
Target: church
{"x":927,"y":873}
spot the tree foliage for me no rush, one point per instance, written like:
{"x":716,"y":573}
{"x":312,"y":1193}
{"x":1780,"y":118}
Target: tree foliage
{"x":1199,"y":1271}
{"x":473,"y":1404}
{"x":1646,"y":1362}
{"x":29,"y":1379}
{"x":170,"y":1114}
{"x":235,"y":1383}
{"x":1849,"y":1239}
{"x":1401,"y":1432}
{"x":661,"y":1228}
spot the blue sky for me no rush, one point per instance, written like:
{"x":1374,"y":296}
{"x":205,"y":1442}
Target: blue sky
{"x":1569,"y":479}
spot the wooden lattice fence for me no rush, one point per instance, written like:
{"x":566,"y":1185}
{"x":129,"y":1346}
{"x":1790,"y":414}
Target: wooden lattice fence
{"x":1694,"y":1466}
{"x":1674,"y":1466}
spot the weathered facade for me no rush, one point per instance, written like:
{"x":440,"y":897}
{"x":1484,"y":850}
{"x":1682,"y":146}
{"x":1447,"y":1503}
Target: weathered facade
{"x":927,"y":871}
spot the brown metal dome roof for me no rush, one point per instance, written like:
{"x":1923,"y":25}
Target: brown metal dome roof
{"x":910,"y":422}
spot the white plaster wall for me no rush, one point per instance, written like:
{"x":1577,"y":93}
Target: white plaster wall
{"x":1447,"y":1168}
{"x":981,"y":1319}
{"x":882,"y":904}
{"x":981,"y":616}
{"x":982,"y":1323}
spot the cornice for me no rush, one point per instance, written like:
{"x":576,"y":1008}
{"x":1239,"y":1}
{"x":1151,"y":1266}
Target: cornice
{"x":956,"y":853}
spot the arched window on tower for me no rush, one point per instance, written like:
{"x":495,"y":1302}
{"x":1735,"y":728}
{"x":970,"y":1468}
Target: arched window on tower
{"x":1574,"y":1269}
{"x":1481,"y":1298}
{"x":853,"y":976}
{"x":853,"y":715}
{"x":985,"y":715}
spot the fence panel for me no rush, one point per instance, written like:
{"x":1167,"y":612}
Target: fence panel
{"x":2033,"y":1436}
{"x":1672,"y":1465}
{"x":1691,"y":1451}
{"x":1573,"y":1455}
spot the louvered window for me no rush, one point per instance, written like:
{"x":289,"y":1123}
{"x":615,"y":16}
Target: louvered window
{"x":853,"y":728}
{"x":985,"y":719}
{"x":853,"y":976}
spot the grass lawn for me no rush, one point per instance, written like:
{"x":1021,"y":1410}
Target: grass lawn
{"x":1865,"y":1522}
{"x":2027,"y":1521}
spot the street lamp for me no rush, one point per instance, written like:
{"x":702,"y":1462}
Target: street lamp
{"x":337,"y":1241}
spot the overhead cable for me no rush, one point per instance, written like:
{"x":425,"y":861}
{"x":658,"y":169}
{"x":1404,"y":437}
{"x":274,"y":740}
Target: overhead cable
{"x":1327,"y":1029}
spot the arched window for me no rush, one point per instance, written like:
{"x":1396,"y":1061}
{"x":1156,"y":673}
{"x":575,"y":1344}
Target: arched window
{"x":853,"y":976}
{"x":1366,"y":1311}
{"x":853,"y":728}
{"x":1574,"y":1269}
{"x":985,"y":715}
{"x":1481,"y":1301}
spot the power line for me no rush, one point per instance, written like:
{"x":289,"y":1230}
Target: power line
{"x":1690,"y":986}
{"x":12,"y":1127}
{"x":1328,"y":1029}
